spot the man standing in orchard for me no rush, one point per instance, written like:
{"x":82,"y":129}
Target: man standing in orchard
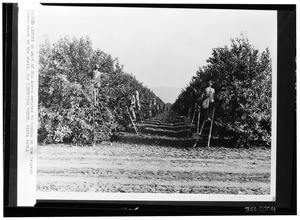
{"x":154,"y":106}
{"x":138,"y":106}
{"x":138,"y":100}
{"x":150,"y":107}
{"x":96,"y":77}
{"x":132,"y":106}
{"x":157,"y":108}
{"x":209,"y":102}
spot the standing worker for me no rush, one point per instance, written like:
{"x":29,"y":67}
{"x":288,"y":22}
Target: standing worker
{"x":138,"y":105}
{"x":209,"y":102}
{"x":150,"y":107}
{"x":154,"y":106}
{"x":96,"y":77}
{"x":137,"y":96}
{"x":132,"y":106}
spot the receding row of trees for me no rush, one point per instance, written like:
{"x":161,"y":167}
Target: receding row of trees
{"x":242,"y":81}
{"x":66,"y":91}
{"x":241,"y":76}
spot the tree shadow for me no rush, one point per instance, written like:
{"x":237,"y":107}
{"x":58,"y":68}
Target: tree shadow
{"x":165,"y":127}
{"x":159,"y":132}
{"x":177,"y":141}
{"x":168,"y":133}
{"x":157,"y":141}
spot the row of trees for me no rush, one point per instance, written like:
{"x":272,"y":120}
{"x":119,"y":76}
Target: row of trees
{"x":66,"y":91}
{"x":242,"y":81}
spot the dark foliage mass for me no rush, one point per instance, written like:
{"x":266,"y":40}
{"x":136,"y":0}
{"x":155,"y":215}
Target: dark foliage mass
{"x":242,"y":81}
{"x":241,"y":76}
{"x":66,"y":91}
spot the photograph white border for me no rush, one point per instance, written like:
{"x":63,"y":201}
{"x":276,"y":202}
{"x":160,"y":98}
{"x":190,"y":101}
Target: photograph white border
{"x":27,"y":181}
{"x":27,"y":105}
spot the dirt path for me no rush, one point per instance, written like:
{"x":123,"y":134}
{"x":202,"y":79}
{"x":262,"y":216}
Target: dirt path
{"x":159,"y":161}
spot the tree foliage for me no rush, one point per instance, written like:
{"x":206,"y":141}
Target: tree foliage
{"x":242,"y":81}
{"x":66,"y":91}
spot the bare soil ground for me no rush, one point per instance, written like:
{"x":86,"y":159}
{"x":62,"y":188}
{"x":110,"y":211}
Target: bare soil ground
{"x":154,"y":163}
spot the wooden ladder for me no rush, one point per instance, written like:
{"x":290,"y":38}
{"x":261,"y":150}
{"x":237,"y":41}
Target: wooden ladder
{"x":141,"y":116}
{"x":132,"y":122}
{"x":204,"y":135}
{"x":197,"y":110}
{"x":100,"y":130}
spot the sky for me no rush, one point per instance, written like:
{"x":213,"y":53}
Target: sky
{"x":161,"y":47}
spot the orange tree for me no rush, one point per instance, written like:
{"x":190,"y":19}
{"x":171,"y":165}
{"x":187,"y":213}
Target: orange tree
{"x":66,"y":91}
{"x":242,"y":80}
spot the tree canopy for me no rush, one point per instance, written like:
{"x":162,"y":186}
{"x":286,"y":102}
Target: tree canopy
{"x":243,"y":85}
{"x":66,"y":91}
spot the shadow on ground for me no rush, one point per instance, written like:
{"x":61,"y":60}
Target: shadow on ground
{"x":161,"y":131}
{"x":156,"y":140}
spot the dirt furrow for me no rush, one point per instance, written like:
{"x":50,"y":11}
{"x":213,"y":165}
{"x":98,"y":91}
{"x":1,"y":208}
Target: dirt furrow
{"x":90,"y":184}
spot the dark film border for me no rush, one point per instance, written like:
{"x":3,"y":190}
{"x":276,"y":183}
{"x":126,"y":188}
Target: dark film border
{"x":10,"y":98}
{"x":286,"y":141}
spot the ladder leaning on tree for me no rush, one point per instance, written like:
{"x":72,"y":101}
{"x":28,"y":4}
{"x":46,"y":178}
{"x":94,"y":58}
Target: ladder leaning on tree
{"x":204,"y":135}
{"x":141,"y":115}
{"x":100,"y":130}
{"x":132,"y":122}
{"x":197,"y":111}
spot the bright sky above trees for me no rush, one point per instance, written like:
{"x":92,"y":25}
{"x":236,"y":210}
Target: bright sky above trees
{"x":161,"y":47}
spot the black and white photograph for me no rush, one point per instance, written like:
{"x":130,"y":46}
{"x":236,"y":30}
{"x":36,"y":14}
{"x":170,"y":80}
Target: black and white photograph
{"x":150,"y":103}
